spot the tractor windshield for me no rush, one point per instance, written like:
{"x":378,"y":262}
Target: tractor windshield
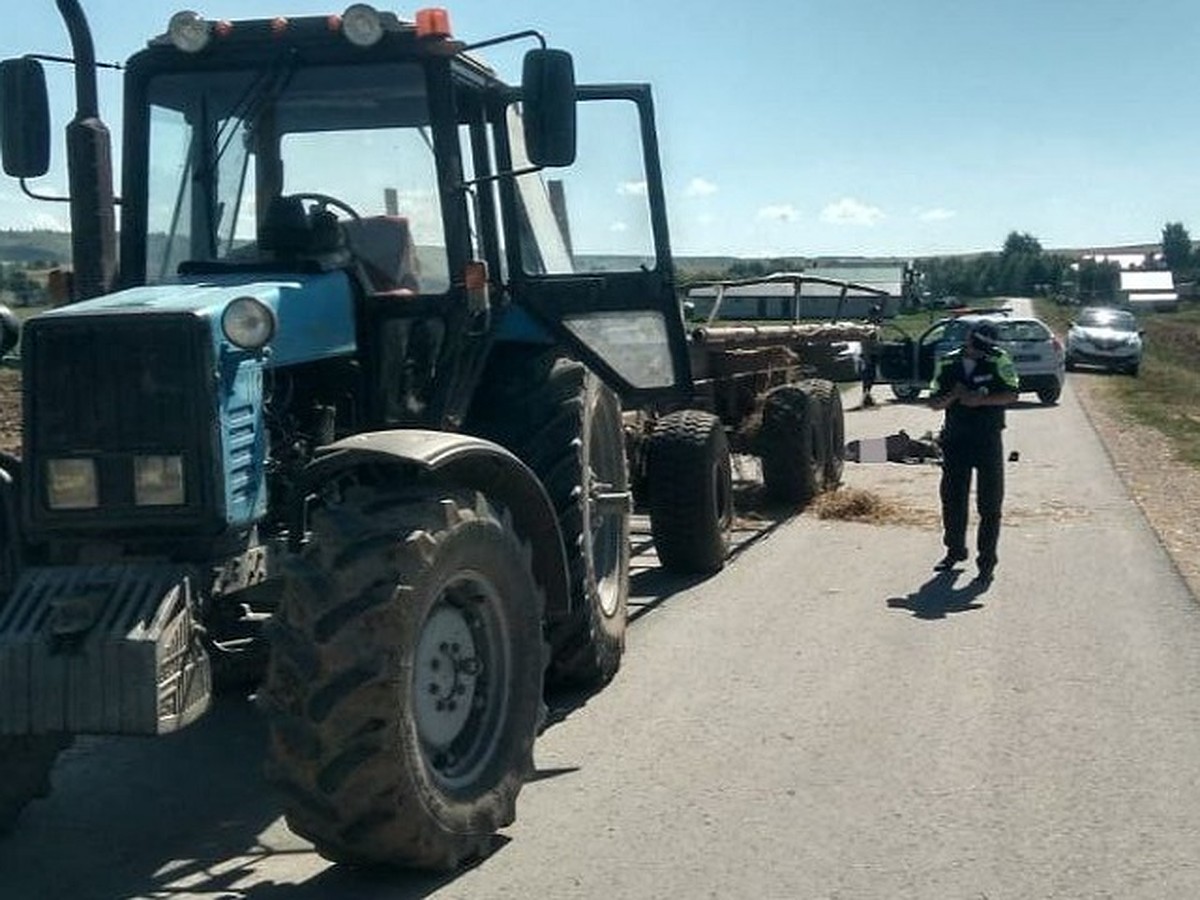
{"x":342,"y":144}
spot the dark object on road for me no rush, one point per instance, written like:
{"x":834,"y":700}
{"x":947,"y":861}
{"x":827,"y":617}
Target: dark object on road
{"x":897,"y":447}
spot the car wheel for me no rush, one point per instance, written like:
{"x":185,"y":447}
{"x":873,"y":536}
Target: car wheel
{"x":1049,"y":395}
{"x":1133,"y":370}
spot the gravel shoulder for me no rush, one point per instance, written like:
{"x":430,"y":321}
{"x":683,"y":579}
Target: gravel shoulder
{"x":1166,"y":490}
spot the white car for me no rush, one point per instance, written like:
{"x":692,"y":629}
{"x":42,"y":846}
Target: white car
{"x":1036,"y":352}
{"x":1109,"y":338}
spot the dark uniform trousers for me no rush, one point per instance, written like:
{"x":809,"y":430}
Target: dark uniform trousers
{"x":983,"y":453}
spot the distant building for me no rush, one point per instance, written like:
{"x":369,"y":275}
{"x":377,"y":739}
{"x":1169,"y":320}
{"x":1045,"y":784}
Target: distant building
{"x":1148,"y":290}
{"x":816,"y":301}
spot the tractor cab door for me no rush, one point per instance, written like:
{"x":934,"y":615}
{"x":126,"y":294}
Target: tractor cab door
{"x":591,"y":261}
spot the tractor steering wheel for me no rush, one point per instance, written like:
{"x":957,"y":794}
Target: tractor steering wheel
{"x":324,"y":200}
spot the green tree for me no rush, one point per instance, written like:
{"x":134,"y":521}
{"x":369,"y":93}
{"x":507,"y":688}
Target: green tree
{"x":1176,"y":247}
{"x":1021,"y":243}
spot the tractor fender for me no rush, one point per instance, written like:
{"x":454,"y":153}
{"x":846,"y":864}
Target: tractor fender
{"x":461,"y":460}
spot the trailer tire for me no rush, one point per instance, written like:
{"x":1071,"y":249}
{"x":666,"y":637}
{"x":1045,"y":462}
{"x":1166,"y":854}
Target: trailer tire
{"x":690,"y":480}
{"x":833,"y":447}
{"x":792,"y":444}
{"x":565,"y":424}
{"x":25,"y":765}
{"x":404,"y":689}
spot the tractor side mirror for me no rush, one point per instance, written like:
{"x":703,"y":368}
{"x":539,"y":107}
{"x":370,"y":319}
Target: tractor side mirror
{"x":548,"y":86}
{"x":24,"y":118}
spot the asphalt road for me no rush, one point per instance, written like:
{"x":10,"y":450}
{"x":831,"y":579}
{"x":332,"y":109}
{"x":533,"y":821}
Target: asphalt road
{"x":825,"y":718}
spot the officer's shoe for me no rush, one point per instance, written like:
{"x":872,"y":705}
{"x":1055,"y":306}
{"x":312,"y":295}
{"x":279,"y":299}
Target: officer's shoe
{"x":985,"y":576}
{"x":947,"y":562}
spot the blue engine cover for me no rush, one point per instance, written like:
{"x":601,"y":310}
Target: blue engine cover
{"x":315,"y":321}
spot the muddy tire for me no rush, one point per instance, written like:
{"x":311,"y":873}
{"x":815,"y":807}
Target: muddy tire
{"x":791,"y":445}
{"x":833,"y":446}
{"x":690,"y":483}
{"x":404,"y":689}
{"x":561,"y":420}
{"x":25,"y":765}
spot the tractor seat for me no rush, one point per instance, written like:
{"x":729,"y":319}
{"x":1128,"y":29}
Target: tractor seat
{"x":383,"y":246}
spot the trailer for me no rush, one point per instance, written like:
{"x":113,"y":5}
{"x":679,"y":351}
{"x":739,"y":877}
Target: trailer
{"x":759,"y":389}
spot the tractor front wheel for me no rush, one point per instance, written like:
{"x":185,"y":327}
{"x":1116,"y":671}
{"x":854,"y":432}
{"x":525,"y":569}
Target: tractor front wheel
{"x":404,"y":689}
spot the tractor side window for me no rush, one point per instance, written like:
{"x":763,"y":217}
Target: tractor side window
{"x":593,"y":216}
{"x":169,"y":209}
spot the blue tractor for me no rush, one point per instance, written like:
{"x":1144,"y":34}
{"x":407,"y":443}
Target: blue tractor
{"x":342,"y":418}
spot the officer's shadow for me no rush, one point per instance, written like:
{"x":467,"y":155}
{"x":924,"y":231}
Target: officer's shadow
{"x":938,"y":597}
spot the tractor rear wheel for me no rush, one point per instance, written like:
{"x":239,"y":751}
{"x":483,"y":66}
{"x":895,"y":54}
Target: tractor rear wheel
{"x":689,"y":477}
{"x":25,"y":765}
{"x":791,"y":444}
{"x":561,"y":420}
{"x":404,"y":689}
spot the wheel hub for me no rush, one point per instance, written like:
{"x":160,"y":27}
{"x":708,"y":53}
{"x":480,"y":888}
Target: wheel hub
{"x":445,"y":678}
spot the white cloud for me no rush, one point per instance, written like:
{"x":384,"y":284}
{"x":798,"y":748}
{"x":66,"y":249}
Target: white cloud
{"x":849,"y":211}
{"x":937,"y":214}
{"x":632,"y":189}
{"x":706,"y":219}
{"x":700,"y":187}
{"x":618,"y":227}
{"x":783,"y":212}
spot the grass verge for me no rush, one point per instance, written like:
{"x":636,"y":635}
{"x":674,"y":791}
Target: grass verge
{"x":1166,"y":394}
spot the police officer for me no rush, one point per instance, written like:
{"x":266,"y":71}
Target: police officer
{"x":973,"y":385}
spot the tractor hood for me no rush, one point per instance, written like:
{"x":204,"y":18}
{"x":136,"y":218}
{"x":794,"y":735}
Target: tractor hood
{"x":314,"y":315}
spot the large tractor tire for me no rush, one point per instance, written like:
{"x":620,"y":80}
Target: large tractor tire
{"x":561,"y":420}
{"x":791,"y":444}
{"x":404,"y":690}
{"x":25,"y":765}
{"x":690,"y":484}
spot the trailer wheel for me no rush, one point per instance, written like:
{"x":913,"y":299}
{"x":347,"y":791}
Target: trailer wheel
{"x":25,"y":765}
{"x":404,"y":689}
{"x":690,"y":481}
{"x":562,"y":421}
{"x":792,"y":444}
{"x":833,"y":447}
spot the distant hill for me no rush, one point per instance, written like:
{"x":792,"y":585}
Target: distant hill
{"x":35,"y":246}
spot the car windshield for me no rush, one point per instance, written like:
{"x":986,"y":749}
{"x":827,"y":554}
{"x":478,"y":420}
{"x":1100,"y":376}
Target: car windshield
{"x":1117,"y":319}
{"x":1022,"y":331}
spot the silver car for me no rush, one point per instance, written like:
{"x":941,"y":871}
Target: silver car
{"x":1109,"y":338}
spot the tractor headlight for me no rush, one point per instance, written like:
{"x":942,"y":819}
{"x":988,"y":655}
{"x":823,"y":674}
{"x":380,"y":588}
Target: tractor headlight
{"x":158,"y":480}
{"x":189,"y":31}
{"x":248,"y":323}
{"x":71,"y":484}
{"x":362,"y":25}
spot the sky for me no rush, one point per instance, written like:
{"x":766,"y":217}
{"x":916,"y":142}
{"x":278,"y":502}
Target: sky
{"x":825,"y":127}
